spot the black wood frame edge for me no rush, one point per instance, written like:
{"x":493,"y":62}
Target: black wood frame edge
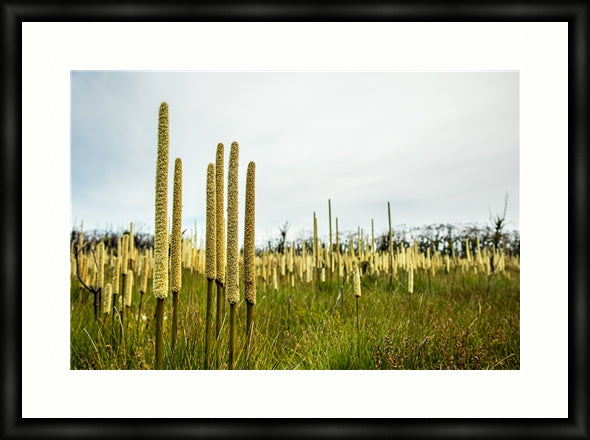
{"x":13,"y":14}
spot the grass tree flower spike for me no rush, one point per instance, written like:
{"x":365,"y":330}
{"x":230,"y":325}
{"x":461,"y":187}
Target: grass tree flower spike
{"x":219,"y":216}
{"x":210,"y":258}
{"x":232,"y":281}
{"x":107,"y":299}
{"x":125,"y":256}
{"x":176,"y":247}
{"x":128,"y":288}
{"x":210,"y":237}
{"x":232,"y":278}
{"x":116,"y":278}
{"x":250,"y":255}
{"x":219,"y":236}
{"x":356,"y":279}
{"x":175,"y":244}
{"x":249,"y":239}
{"x":131,"y":247}
{"x":100,"y":252}
{"x":124,"y":268}
{"x":160,"y":278}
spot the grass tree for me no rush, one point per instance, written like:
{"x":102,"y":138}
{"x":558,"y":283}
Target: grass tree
{"x":160,"y":279}
{"x":232,"y":280}
{"x":176,"y":247}
{"x":219,"y":237}
{"x":249,"y":254}
{"x":210,"y":258}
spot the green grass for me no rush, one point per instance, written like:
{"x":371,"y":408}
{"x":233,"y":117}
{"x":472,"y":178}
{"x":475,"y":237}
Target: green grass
{"x":451,"y":321}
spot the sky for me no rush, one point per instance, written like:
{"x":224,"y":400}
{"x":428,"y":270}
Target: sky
{"x":440,"y":147}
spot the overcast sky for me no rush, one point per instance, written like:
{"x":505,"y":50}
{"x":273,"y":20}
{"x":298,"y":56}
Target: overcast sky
{"x":441,"y":147}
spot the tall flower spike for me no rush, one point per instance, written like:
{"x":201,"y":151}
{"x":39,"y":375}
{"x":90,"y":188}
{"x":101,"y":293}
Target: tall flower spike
{"x":125,"y":259}
{"x":219,"y":215}
{"x":101,"y":258}
{"x":116,"y":275}
{"x":128,"y":288}
{"x":131,"y":242}
{"x":107,"y":298}
{"x":210,"y":242}
{"x":357,"y":279}
{"x":249,"y":252}
{"x":232,"y":287}
{"x":160,"y":280}
{"x":315,"y":242}
{"x":176,"y":243}
{"x":144,"y":278}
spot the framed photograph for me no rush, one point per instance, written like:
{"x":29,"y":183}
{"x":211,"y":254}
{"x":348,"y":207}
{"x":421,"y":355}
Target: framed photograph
{"x":496,"y":93}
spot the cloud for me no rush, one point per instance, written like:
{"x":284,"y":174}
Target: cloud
{"x":441,"y":147}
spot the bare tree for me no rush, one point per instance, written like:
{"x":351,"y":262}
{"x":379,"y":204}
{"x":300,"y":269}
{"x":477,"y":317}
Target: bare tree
{"x":283,"y":237}
{"x":498,"y":224}
{"x":96,"y":291}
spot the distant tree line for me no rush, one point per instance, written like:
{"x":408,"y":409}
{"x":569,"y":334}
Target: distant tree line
{"x":446,"y":238}
{"x":442,"y":237}
{"x":141,"y":240}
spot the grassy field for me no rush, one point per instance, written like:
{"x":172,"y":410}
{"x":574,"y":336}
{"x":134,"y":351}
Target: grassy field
{"x":455,"y":320}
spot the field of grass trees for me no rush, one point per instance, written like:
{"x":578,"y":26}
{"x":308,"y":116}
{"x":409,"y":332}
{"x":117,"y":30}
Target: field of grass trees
{"x":435,"y":297}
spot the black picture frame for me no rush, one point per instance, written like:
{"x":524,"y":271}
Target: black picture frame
{"x":14,"y":13}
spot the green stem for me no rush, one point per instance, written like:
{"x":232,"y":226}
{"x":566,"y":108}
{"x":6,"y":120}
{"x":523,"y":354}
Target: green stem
{"x":249,"y":319}
{"x":342,"y":290}
{"x":358,"y":329}
{"x":249,"y":327}
{"x":219,"y":315}
{"x":232,"y":335}
{"x":123,"y":343}
{"x":114,"y":311}
{"x":288,"y":312}
{"x":223,"y":303}
{"x":208,"y":322}
{"x":123,"y":282}
{"x":97,"y":304}
{"x":139,"y":311}
{"x":174,"y":319}
{"x":159,"y":333}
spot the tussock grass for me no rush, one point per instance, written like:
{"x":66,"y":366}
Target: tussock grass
{"x":449,"y":321}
